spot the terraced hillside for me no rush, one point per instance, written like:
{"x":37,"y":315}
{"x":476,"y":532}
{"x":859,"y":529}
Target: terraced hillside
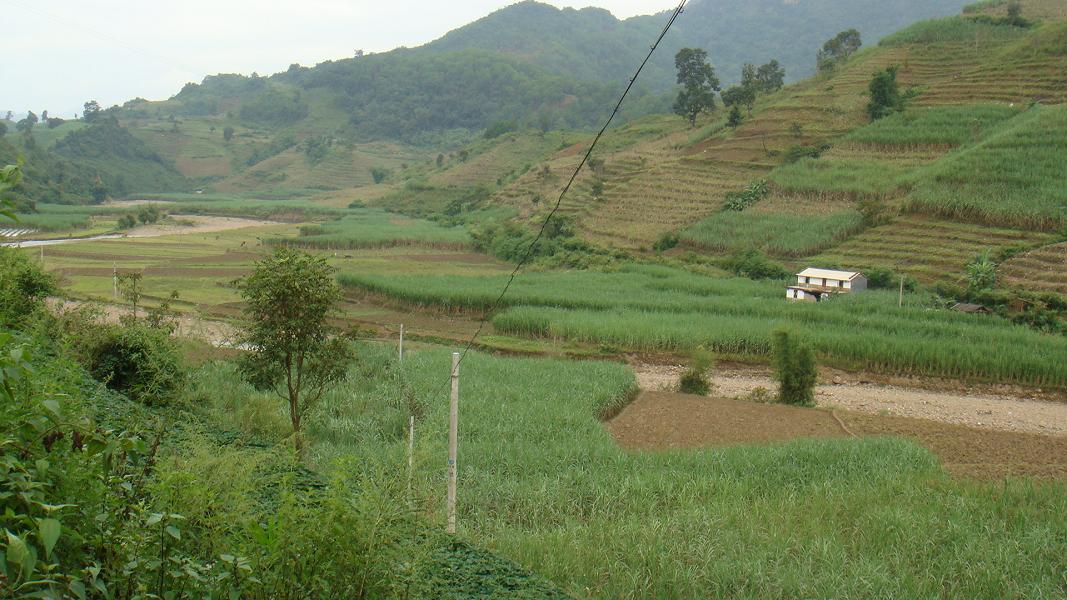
{"x":1044,"y":269}
{"x":974,"y":82}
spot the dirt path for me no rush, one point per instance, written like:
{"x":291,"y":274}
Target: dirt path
{"x":988,"y":412}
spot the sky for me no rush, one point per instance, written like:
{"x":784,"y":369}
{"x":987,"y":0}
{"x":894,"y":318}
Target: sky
{"x":57,"y":54}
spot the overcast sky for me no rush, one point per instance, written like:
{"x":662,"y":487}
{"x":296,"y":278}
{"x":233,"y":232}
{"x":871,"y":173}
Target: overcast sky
{"x":56,"y":54}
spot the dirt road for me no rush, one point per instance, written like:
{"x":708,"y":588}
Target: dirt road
{"x":991,"y":412}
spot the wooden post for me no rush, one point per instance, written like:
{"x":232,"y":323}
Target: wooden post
{"x":115,"y":281}
{"x":400,"y":350}
{"x":900,"y":303}
{"x":453,"y":436}
{"x":411,"y":457}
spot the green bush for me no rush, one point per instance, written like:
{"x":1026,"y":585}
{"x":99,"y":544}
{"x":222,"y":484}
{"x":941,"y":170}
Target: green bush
{"x":795,"y":369}
{"x":754,"y":265}
{"x":695,"y":379}
{"x":141,"y":362}
{"x":23,"y":285}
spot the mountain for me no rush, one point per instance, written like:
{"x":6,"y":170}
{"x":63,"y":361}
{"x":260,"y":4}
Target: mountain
{"x":593,"y":45}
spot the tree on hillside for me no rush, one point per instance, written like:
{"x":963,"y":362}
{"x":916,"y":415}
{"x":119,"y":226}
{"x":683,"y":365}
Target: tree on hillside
{"x":9,"y":178}
{"x":3,"y":129}
{"x":839,"y":49}
{"x":885,"y":94}
{"x":699,"y":84}
{"x":770,"y":77}
{"x":1015,"y":13}
{"x":44,"y":115}
{"x":227,"y":134}
{"x":91,"y":111}
{"x":294,"y":351}
{"x":740,"y":95}
{"x":735,"y":118}
{"x":26,"y":125}
{"x":9,"y":116}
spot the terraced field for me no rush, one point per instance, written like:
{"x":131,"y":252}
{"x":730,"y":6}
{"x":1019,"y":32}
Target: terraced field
{"x":926,"y":249}
{"x":1044,"y":269}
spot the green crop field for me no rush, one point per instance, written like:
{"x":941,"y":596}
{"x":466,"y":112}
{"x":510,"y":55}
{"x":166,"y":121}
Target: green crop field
{"x":542,"y":483}
{"x":1016,"y":176}
{"x":370,"y":228}
{"x":662,"y":309}
{"x":773,"y":233}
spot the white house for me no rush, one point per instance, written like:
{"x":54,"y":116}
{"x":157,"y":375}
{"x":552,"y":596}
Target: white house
{"x":814,"y":285}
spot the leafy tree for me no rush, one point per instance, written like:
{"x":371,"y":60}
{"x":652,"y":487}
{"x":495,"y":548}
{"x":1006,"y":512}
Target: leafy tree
{"x":379,"y":174}
{"x":227,"y":134}
{"x":440,"y":160}
{"x":44,"y":115}
{"x":735,"y":117}
{"x":9,"y":116}
{"x":770,"y":77}
{"x":91,"y":111}
{"x":981,"y":273}
{"x":795,"y":370}
{"x":295,"y":352}
{"x":126,"y":221}
{"x":148,"y":213}
{"x":699,"y":84}
{"x":885,"y":94}
{"x":1015,"y":13}
{"x":598,"y":188}
{"x":23,"y":286}
{"x":739,"y":95}
{"x":129,"y":285}
{"x":100,"y":194}
{"x":26,"y":125}
{"x":9,"y":178}
{"x":838,"y":49}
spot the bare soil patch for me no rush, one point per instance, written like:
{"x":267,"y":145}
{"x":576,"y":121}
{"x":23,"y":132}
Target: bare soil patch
{"x":200,"y":224}
{"x":667,"y":420}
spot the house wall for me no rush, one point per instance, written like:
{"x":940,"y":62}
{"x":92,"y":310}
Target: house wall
{"x":859,"y":284}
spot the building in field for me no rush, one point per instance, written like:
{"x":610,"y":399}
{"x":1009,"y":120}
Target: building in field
{"x":814,"y":285}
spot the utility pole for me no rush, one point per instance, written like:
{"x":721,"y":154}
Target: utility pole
{"x":900,"y":303}
{"x":453,"y":437}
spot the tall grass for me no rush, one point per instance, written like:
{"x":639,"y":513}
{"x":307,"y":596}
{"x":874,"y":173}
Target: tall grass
{"x":934,"y":126}
{"x":839,"y":178}
{"x":1016,"y":176}
{"x":659,"y":308}
{"x":952,"y":29}
{"x":369,"y":228}
{"x":778,"y":234}
{"x":542,"y":483}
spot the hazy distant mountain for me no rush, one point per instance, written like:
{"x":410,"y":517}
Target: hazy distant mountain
{"x":592,"y":44}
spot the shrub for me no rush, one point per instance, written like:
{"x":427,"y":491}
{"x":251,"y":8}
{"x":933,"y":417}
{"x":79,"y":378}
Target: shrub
{"x":127,"y":221}
{"x":379,"y":174}
{"x":666,"y":242}
{"x":795,"y":369}
{"x":695,"y":379}
{"x":756,"y":191}
{"x":795,"y":153}
{"x":23,"y":286}
{"x":141,"y":362}
{"x":754,"y":265}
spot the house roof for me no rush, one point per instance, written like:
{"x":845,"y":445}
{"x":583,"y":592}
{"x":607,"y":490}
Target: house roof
{"x":829,"y":274}
{"x":970,"y":308}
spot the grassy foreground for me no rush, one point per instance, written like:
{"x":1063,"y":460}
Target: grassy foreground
{"x":542,"y":483}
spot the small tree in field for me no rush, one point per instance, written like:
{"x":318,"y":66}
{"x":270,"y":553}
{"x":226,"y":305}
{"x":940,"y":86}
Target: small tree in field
{"x":295,"y":352}
{"x":795,"y":370}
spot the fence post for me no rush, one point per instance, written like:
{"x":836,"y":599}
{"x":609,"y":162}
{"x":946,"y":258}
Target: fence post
{"x":900,"y":303}
{"x":400,"y":350}
{"x":453,"y":436}
{"x":411,"y":458}
{"x":114,"y":281}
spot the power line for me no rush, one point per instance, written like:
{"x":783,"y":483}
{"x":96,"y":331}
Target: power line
{"x":544,"y":226}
